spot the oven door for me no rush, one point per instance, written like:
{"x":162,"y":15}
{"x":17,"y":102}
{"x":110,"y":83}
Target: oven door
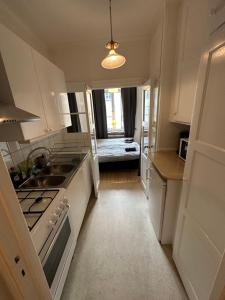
{"x":56,"y":252}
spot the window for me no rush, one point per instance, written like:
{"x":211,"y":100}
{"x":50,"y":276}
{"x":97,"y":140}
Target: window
{"x":114,"y":110}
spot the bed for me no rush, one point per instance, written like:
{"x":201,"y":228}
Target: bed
{"x":113,"y":150}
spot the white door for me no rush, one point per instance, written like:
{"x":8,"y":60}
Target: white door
{"x":91,"y":125}
{"x":157,"y":195}
{"x":145,"y":137}
{"x":154,"y":99}
{"x":200,"y":236}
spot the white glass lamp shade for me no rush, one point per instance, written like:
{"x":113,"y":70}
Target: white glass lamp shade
{"x":113,"y":60}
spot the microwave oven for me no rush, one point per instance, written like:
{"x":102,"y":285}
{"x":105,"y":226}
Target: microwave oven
{"x":183,"y":148}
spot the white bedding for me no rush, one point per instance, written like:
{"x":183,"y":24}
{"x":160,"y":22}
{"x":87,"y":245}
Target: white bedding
{"x":110,"y":150}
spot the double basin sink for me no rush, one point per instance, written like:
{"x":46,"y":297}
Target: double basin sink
{"x":58,"y":173}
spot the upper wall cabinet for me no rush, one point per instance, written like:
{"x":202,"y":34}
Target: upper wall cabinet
{"x":37,"y":85}
{"x":53,"y":92}
{"x":19,"y":66}
{"x":192,"y":37}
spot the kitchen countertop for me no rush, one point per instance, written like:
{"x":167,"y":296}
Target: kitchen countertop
{"x":168,"y":164}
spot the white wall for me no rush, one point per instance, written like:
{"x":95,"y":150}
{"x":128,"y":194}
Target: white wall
{"x":155,"y":52}
{"x":82,"y":63}
{"x":15,"y":24}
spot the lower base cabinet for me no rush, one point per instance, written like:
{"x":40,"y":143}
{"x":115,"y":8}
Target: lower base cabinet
{"x":78,"y":193}
{"x":163,"y":197}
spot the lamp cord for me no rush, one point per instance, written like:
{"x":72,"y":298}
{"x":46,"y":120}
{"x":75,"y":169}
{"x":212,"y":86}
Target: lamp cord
{"x":110,"y":13}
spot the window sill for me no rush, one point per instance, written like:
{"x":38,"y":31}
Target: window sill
{"x":116,"y":134}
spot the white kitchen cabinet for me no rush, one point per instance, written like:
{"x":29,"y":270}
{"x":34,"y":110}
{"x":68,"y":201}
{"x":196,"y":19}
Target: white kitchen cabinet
{"x":192,"y":36}
{"x":163,"y":197}
{"x":37,"y":86}
{"x":61,"y":94}
{"x":78,"y":193}
{"x":53,"y":91}
{"x":19,"y":66}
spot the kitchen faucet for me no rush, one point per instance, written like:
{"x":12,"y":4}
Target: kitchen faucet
{"x":31,"y":152}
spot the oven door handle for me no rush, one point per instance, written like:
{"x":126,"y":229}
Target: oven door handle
{"x":44,"y":253}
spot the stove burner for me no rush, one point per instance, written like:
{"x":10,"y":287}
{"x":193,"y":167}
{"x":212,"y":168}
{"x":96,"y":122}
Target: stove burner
{"x":34,"y":203}
{"x":38,"y":199}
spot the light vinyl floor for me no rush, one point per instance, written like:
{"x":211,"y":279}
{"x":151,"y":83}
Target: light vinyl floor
{"x":117,"y":256}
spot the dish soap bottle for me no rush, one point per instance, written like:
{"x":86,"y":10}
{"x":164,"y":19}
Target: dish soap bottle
{"x":15,"y":177}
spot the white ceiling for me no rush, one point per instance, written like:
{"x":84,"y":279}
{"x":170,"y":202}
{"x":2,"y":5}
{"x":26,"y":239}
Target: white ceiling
{"x":74,"y":21}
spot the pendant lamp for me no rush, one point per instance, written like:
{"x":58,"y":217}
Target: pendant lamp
{"x":113,"y":60}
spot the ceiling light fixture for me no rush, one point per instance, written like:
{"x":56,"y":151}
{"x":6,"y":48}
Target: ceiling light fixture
{"x":113,"y":60}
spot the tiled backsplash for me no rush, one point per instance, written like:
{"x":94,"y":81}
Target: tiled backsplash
{"x":14,"y":152}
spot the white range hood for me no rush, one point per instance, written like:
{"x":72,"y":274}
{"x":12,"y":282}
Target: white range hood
{"x":9,"y":113}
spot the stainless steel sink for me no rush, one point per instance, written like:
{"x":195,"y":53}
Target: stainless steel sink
{"x":58,"y":174}
{"x":58,"y":169}
{"x":44,"y":181}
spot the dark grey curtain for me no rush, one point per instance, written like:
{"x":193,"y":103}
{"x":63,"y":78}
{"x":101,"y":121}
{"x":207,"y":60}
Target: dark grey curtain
{"x":100,"y":114}
{"x":75,"y":120}
{"x":129,"y":101}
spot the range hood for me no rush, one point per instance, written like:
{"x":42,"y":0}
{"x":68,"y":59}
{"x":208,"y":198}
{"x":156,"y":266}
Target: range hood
{"x":9,"y":114}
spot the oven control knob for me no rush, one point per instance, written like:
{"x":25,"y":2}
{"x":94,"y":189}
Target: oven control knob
{"x":58,"y":210}
{"x":62,"y":205}
{"x":51,"y":223}
{"x":65,"y":201}
{"x":54,"y":218}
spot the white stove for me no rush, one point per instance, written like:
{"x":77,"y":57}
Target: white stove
{"x":46,"y":212}
{"x":34,"y":203}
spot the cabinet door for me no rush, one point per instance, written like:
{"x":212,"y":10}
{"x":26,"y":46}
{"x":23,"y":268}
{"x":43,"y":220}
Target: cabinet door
{"x":18,"y":62}
{"x":157,"y":195}
{"x":59,"y":86}
{"x":46,"y":78}
{"x":192,"y":38}
{"x":200,"y":235}
{"x":78,"y":194}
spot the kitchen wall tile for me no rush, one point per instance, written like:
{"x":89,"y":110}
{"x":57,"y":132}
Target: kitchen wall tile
{"x":17,"y":157}
{"x":26,"y":151}
{"x":8,"y":161}
{"x":14,"y":152}
{"x":13,"y":146}
{"x":4,"y":148}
